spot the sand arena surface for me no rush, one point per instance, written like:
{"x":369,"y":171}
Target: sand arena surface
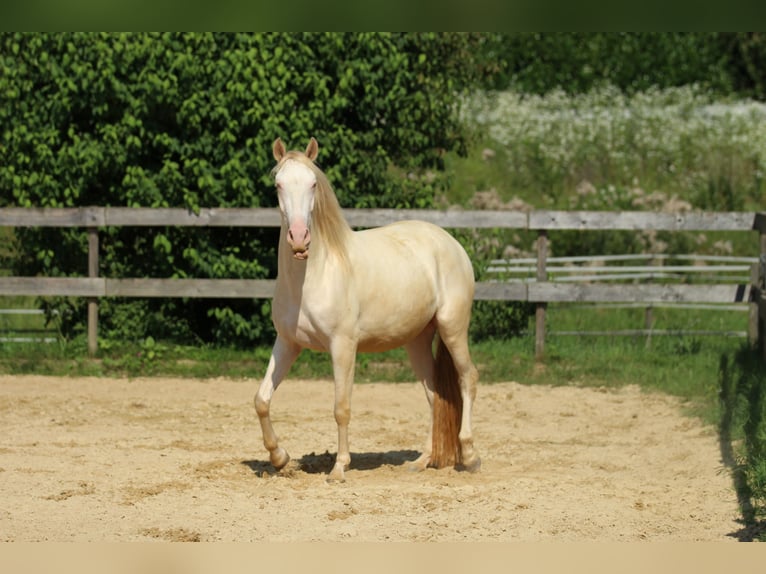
{"x":87,"y":459}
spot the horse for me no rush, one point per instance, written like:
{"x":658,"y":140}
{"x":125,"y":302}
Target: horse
{"x":343,"y":291}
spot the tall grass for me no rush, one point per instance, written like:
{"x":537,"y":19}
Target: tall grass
{"x":681,"y":143}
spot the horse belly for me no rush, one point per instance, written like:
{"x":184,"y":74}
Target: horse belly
{"x":390,"y":322}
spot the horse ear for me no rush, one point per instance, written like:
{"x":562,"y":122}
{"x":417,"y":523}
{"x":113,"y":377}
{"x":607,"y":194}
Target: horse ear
{"x":312,"y":150}
{"x":278,"y":149}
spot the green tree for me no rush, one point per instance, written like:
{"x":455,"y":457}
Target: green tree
{"x":746,"y":53}
{"x":632,"y":61}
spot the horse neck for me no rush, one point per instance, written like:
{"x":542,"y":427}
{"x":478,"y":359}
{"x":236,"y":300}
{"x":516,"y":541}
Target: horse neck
{"x":295,"y":273}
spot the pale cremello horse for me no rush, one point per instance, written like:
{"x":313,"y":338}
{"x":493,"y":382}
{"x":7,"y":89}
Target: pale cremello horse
{"x":343,"y":291}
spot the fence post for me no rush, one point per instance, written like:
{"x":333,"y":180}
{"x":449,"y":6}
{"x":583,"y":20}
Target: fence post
{"x":92,"y":301}
{"x":542,"y":275}
{"x":753,"y":323}
{"x":648,"y":324}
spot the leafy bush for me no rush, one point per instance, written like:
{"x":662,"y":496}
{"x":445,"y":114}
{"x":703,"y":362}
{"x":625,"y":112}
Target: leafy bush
{"x":187,"y":120}
{"x":577,"y":62}
{"x":746,"y":53}
{"x":499,"y":320}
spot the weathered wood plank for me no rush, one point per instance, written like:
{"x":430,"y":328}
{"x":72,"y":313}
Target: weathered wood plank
{"x":642,"y":220}
{"x":192,"y":288}
{"x":595,"y":269}
{"x":652,"y":333}
{"x":51,"y":217}
{"x":264,"y":288}
{"x":207,"y":217}
{"x":568,"y":292}
{"x":447,"y":219}
{"x":269,"y":217}
{"x":489,"y":291}
{"x":53,"y":286}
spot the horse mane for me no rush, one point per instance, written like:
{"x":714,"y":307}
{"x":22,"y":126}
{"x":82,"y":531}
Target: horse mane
{"x":330,"y":227}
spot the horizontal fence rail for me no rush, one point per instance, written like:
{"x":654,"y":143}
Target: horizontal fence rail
{"x":452,"y":218}
{"x":544,"y":285}
{"x":716,"y":268}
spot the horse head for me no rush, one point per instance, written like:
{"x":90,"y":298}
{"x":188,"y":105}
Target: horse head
{"x":296,"y":184}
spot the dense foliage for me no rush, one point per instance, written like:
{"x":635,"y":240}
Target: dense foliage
{"x":633,"y":61}
{"x":187,"y":120}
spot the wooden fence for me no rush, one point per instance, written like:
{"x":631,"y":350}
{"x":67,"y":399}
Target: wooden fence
{"x":637,"y":267}
{"x":541,"y":291}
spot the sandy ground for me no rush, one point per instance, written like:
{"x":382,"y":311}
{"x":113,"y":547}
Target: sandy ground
{"x":182,"y":460}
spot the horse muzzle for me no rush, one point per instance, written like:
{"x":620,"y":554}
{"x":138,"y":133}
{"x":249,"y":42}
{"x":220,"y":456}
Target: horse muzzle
{"x":301,"y":255}
{"x":299,"y":238}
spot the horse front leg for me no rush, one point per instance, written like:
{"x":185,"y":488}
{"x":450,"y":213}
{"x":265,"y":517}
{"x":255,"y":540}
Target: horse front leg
{"x":282,"y":357}
{"x":343,"y":352}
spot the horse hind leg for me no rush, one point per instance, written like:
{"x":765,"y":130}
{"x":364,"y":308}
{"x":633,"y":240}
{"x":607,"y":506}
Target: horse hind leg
{"x":455,"y":342}
{"x":421,"y":357}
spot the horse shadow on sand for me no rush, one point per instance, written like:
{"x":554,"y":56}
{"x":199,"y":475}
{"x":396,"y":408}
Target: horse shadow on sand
{"x":314,"y":463}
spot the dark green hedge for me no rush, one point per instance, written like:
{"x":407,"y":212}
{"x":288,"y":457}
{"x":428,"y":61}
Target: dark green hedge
{"x":633,"y":61}
{"x":187,"y":120}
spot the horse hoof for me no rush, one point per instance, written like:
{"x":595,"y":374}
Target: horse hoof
{"x":473,"y":466}
{"x":279,"y":458}
{"x":337,"y":474}
{"x":419,"y":464}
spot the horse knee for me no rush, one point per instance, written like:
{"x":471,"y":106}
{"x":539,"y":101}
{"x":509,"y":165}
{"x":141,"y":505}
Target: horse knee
{"x":261,"y":406}
{"x":342,"y":414}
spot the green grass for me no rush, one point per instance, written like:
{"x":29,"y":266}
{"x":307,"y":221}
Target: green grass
{"x":475,"y":172}
{"x":14,"y":324}
{"x":23,"y":325}
{"x":684,"y":366}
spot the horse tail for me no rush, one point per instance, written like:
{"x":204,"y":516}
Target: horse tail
{"x":447,"y":411}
